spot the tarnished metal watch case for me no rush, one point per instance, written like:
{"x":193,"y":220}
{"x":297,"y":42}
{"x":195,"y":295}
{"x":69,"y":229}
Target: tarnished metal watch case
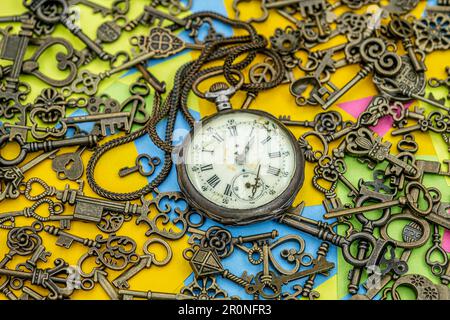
{"x":235,"y":216}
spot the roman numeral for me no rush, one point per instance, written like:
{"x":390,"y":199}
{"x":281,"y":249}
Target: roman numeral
{"x":213,"y":181}
{"x":233,"y":130}
{"x":209,"y":151}
{"x":266,"y":140}
{"x":228,"y":191}
{"x":274,"y":171}
{"x":275,"y":154}
{"x":217,"y":137}
{"x":206,"y":167}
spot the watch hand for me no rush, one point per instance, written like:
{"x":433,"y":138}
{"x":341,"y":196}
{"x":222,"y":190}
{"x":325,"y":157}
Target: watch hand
{"x":255,"y":186}
{"x":240,"y":157}
{"x":249,"y":143}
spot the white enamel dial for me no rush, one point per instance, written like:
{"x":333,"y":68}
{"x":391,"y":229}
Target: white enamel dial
{"x":240,"y":160}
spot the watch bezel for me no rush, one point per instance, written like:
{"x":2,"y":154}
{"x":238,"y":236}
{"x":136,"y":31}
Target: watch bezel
{"x":229,"y":216}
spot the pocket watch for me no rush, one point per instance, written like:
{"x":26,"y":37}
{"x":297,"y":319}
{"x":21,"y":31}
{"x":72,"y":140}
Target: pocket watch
{"x":239,"y":166}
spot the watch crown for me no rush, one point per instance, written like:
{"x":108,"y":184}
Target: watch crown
{"x":219,"y":86}
{"x":220,"y":93}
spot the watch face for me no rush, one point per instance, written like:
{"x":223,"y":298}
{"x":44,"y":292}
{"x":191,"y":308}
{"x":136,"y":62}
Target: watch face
{"x":240,"y":160}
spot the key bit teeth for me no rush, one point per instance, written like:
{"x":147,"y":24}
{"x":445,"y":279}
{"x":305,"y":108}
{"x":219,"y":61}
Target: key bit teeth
{"x":247,"y":277}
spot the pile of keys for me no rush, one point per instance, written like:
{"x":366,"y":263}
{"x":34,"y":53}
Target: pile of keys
{"x":238,"y":167}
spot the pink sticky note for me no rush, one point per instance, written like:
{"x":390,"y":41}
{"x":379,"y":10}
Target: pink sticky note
{"x":446,"y":241}
{"x":356,"y":107}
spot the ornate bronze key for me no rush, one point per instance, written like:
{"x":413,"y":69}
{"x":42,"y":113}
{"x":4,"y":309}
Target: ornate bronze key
{"x":404,"y":31}
{"x":376,"y":59}
{"x":364,"y":143}
{"x":406,"y":200}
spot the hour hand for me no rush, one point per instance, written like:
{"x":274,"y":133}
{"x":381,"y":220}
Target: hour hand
{"x":257,"y":182}
{"x":241,"y":157}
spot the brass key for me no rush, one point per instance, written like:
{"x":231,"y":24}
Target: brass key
{"x":25,"y":148}
{"x":372,"y":50}
{"x":406,"y":200}
{"x":363,"y":143}
{"x":403,"y":30}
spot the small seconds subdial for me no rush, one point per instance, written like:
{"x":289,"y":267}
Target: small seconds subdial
{"x":248,"y":187}
{"x":240,"y":162}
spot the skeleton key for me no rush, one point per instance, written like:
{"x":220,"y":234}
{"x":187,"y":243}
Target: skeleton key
{"x":107,"y":120}
{"x":412,"y":233}
{"x":151,"y":295}
{"x":25,"y":148}
{"x":88,"y":82}
{"x":153,"y":162}
{"x":225,"y":246}
{"x":373,"y":52}
{"x":145,"y":262}
{"x":53,"y":132}
{"x":319,"y":266}
{"x":15,"y":245}
{"x":417,"y":114}
{"x":66,"y":239}
{"x":403,"y":30}
{"x":36,"y":6}
{"x":12,"y":177}
{"x":323,"y":231}
{"x":31,"y":212}
{"x":97,"y":8}
{"x":403,"y":91}
{"x":92,"y":209}
{"x":368,"y":225}
{"x":322,"y":121}
{"x":286,"y":120}
{"x":69,"y":165}
{"x":406,"y":201}
{"x":435,"y":122}
{"x":46,"y":278}
{"x":363,"y":143}
{"x":275,"y":283}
